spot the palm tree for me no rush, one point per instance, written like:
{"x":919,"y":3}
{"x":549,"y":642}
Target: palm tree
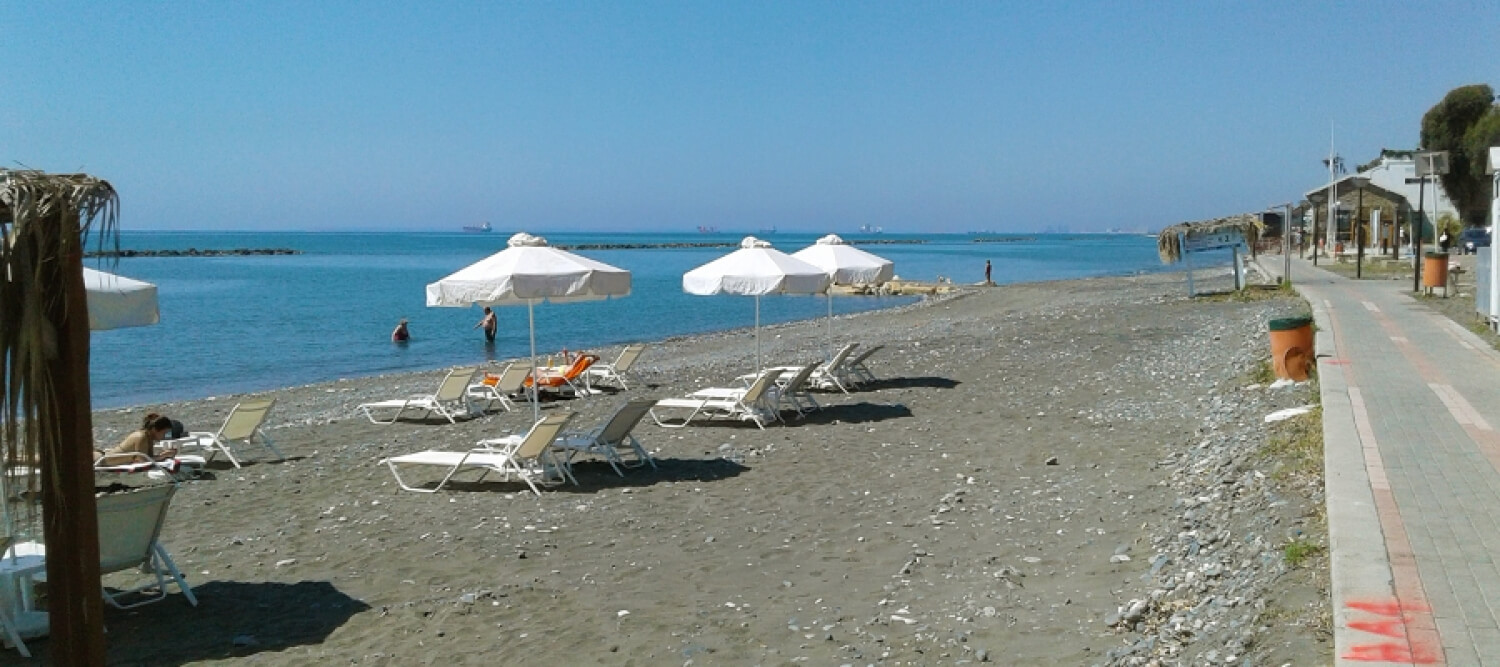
{"x":44,"y":384}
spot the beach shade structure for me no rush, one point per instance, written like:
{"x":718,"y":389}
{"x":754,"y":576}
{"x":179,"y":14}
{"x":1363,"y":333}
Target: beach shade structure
{"x":754,"y":270}
{"x":116,"y":302}
{"x":526,"y":272}
{"x":845,"y":265}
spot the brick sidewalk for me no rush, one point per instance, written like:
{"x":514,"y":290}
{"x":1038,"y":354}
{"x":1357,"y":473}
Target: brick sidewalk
{"x":1412,"y":459}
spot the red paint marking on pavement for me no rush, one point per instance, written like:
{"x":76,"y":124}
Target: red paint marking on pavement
{"x":1386,"y":607}
{"x":1392,"y":628}
{"x":1389,"y":652}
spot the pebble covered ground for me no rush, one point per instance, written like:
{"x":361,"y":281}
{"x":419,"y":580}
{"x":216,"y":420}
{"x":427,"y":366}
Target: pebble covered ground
{"x":1061,"y":473}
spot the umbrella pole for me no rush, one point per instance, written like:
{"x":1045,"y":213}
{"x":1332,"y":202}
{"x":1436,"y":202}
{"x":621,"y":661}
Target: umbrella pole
{"x":758,"y":365}
{"x":828,"y":346}
{"x":536,"y":408}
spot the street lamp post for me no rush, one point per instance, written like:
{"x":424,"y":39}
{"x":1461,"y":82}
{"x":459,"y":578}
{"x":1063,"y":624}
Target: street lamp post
{"x":1359,"y":226}
{"x":1317,"y":198}
{"x":1286,"y":241}
{"x":1416,"y":237}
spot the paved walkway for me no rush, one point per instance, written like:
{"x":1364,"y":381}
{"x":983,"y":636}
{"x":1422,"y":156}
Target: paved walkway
{"x":1411,"y":401}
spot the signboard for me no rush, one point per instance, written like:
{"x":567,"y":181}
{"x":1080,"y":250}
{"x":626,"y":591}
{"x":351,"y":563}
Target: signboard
{"x":1194,"y":241}
{"x":1432,"y":163}
{"x":1199,"y":242}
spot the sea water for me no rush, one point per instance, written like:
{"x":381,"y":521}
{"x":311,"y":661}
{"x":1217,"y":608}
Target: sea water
{"x":235,"y":324}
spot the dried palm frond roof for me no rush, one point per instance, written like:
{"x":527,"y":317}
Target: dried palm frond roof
{"x":43,"y":218}
{"x":1169,"y":242}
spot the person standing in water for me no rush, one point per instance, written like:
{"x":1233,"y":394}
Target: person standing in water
{"x":400,"y":334}
{"x":987,"y":280}
{"x":490,"y":323}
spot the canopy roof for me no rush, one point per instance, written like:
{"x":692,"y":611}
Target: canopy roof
{"x":116,"y":301}
{"x":755,"y":269}
{"x":846,"y":264}
{"x":529,"y":270}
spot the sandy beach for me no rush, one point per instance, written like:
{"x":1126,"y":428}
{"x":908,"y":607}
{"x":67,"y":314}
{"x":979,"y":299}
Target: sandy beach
{"x":1058,"y":473}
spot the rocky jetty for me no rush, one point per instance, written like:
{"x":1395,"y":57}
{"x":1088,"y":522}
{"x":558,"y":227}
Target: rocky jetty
{"x":707,"y":244}
{"x":194,"y":252}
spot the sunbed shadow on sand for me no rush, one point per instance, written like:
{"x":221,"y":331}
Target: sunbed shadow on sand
{"x":852,"y":413}
{"x":905,"y":383}
{"x":265,"y":616}
{"x":595,"y":475}
{"x":223,"y":465}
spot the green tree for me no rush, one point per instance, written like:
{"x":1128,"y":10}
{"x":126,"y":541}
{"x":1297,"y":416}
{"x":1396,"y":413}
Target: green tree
{"x":1451,"y":126}
{"x":1477,"y":141}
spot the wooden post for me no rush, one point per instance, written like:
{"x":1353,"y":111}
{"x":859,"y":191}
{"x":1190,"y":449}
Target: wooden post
{"x":1239,"y":274}
{"x":1187,"y":264}
{"x":69,"y":519}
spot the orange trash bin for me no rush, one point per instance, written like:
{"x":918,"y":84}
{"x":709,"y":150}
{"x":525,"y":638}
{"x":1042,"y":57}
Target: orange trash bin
{"x":1291,"y":347}
{"x":1435,"y":271}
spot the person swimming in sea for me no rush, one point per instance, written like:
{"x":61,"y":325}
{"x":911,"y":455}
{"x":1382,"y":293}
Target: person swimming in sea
{"x":401,"y":334}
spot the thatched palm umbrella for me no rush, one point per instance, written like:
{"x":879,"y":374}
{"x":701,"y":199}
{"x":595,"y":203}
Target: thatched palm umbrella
{"x":1168,"y":242}
{"x":44,"y":383}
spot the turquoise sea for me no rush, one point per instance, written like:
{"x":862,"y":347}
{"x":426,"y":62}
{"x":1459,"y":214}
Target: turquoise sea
{"x":249,"y":323}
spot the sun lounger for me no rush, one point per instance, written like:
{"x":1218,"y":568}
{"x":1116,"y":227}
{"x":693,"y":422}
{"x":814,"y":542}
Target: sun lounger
{"x":612,"y":437}
{"x":749,"y":404}
{"x":615,"y":371}
{"x":177,"y":467}
{"x":8,"y":628}
{"x":129,"y":540}
{"x":568,"y":379}
{"x":528,"y":457}
{"x":499,"y":388}
{"x":856,"y":368}
{"x":242,"y":426}
{"x":450,"y":399}
{"x":833,"y":374}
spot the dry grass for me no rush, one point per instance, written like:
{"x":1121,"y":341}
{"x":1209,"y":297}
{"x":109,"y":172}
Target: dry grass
{"x":1380,"y":269}
{"x":1249,"y":294}
{"x":1296,"y":446}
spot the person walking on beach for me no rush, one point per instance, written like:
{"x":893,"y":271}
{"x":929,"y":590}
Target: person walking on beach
{"x":987,"y":280}
{"x":490,"y":323}
{"x":400,"y":334}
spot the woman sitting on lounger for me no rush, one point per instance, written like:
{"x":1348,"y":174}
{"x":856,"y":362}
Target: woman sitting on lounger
{"x":154,"y":428}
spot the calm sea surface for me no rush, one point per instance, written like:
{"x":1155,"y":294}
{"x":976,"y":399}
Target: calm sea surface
{"x":238,"y":324}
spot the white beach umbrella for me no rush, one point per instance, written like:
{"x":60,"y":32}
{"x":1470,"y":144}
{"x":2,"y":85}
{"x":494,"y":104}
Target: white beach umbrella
{"x":526,"y":272}
{"x":846,"y":265}
{"x":116,"y":301}
{"x":753,"y":270}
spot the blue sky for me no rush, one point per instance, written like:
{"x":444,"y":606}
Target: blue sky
{"x":812,"y":116}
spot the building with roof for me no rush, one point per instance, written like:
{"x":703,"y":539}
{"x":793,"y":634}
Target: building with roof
{"x":1391,"y":171}
{"x":1393,"y":207}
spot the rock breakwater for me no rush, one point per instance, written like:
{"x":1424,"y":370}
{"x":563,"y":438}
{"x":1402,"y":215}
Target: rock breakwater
{"x":194,"y":252}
